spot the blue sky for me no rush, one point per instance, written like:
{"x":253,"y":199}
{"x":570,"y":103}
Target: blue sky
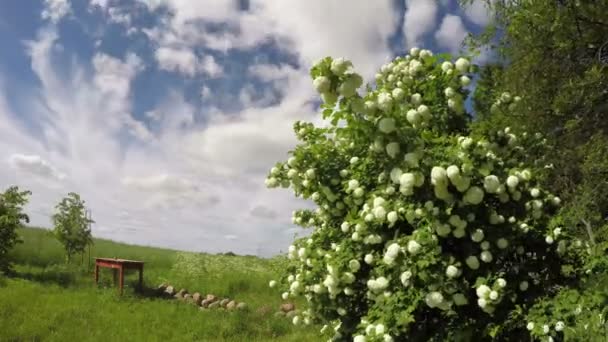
{"x":166,"y":114}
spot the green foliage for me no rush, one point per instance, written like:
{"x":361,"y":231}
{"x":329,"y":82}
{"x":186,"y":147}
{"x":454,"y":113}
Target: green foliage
{"x":418,"y":222}
{"x":12,"y":218}
{"x":71,"y":225}
{"x":548,"y":52}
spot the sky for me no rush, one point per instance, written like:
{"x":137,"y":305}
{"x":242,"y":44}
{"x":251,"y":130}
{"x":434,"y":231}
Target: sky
{"x":166,"y":115}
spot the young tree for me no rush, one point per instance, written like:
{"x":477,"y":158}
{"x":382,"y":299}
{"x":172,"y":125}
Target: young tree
{"x":11,"y":219}
{"x":71,"y":225}
{"x":423,"y":232}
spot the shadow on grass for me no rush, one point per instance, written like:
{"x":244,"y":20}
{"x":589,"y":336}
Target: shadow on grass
{"x":50,"y":275}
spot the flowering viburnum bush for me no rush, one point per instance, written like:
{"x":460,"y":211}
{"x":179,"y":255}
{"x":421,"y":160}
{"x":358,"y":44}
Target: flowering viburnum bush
{"x":421,"y":231}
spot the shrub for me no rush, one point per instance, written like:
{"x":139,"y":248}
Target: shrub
{"x":419,"y":225}
{"x":11,"y":219}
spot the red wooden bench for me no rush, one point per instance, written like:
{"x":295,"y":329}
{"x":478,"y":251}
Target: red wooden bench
{"x":119,"y":265}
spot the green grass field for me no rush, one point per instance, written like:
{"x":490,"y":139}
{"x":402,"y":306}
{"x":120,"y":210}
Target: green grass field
{"x":47,"y":300}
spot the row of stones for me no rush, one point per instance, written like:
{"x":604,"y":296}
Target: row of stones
{"x":210,"y":301}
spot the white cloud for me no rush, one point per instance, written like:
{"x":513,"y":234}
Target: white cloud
{"x":209,"y":67}
{"x":205,"y":93}
{"x":309,"y":28}
{"x":163,"y":182}
{"x":230,"y":237}
{"x":177,"y":60}
{"x":114,"y":76}
{"x":100,"y":3}
{"x":55,"y":10}
{"x":184,"y":61}
{"x":264,"y":212}
{"x":451,"y":33}
{"x":478,"y":12}
{"x":35,"y":165}
{"x":183,"y":183}
{"x":420,"y":18}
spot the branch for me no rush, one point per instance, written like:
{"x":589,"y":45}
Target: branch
{"x":589,"y":231}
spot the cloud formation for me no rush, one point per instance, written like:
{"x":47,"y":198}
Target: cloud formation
{"x":167,"y":123}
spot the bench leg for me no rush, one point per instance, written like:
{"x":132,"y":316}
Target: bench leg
{"x":96,"y":274}
{"x":121,"y":279}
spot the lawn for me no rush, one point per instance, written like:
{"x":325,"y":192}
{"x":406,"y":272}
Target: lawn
{"x":47,"y":300}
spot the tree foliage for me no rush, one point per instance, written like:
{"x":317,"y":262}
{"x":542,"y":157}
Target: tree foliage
{"x":548,"y":52}
{"x":418,"y":222}
{"x":71,"y":225}
{"x":12,"y":218}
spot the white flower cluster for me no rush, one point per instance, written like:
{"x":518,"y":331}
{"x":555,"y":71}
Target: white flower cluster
{"x":488,"y":298}
{"x":379,"y":222}
{"x":345,"y":83}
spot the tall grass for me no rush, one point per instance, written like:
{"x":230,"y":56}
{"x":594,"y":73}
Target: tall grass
{"x":51,"y":301}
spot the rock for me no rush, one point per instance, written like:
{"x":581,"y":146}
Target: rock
{"x":197,"y":298}
{"x":231,"y":305}
{"x":211,"y":298}
{"x":241,"y":306}
{"x":170,"y":290}
{"x":290,"y":314}
{"x":224,"y":302}
{"x":188,"y":297}
{"x":162,"y":287}
{"x":181,"y":293}
{"x":214,"y":305}
{"x":287,"y":307}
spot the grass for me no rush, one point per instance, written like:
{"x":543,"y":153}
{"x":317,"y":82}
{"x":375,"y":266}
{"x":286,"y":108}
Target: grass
{"x":47,"y":300}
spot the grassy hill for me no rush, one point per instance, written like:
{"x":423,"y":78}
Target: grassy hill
{"x":47,"y":300}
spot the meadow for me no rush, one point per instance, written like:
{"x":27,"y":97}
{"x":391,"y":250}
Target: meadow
{"x":48,"y":300}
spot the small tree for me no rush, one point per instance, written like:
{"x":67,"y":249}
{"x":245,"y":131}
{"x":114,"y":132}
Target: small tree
{"x":11,"y":218}
{"x":72,"y":225}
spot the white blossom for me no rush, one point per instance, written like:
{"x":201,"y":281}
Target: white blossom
{"x":486,"y":256}
{"x":386,"y":125}
{"x":392,"y":217}
{"x":321,"y":84}
{"x":445,"y":66}
{"x":465,"y":80}
{"x":416,"y":99}
{"x":405,"y":278}
{"x":434,"y":299}
{"x":392,"y":149}
{"x":452,"y":271}
{"x":530,"y":326}
{"x":339,"y":66}
{"x":474,"y":195}
{"x":472,"y":262}
{"x":478,"y":235}
{"x":359,"y":338}
{"x":534,"y":192}
{"x":413,"y":247}
{"x":462,"y":65}
{"x":491,"y":184}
